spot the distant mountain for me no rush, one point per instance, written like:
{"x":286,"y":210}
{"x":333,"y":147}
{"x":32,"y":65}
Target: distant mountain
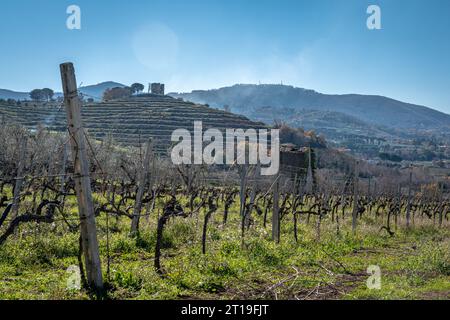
{"x":92,"y":91}
{"x":374,"y":110}
{"x":8,"y":94}
{"x":96,"y":91}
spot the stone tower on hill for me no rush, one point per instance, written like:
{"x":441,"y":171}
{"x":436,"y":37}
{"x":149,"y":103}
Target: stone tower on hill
{"x":157,"y":88}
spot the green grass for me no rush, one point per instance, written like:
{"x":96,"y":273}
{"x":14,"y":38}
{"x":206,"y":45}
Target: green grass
{"x":414,"y":263}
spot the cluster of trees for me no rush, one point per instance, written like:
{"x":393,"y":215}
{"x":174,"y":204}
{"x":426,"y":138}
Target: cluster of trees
{"x":422,"y":153}
{"x":137,"y":88}
{"x":123,"y":92}
{"x":45,"y":94}
{"x":300,"y":137}
{"x":390,"y":157}
{"x":117,"y":93}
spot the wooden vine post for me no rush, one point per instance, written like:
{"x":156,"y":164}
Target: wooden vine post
{"x":89,"y":242}
{"x":143,"y":172}
{"x":408,"y":208}
{"x":19,"y":178}
{"x":276,"y":210}
{"x":355,"y":197}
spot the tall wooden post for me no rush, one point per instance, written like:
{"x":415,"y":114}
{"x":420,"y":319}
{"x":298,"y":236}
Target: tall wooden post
{"x":442,"y":206}
{"x":309,"y":187}
{"x":276,"y":211}
{"x":89,"y":242}
{"x":19,"y":176}
{"x":143,"y":172}
{"x":355,"y":196}
{"x":408,"y":208}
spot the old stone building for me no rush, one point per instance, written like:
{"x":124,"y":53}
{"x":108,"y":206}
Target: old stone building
{"x":299,"y":164}
{"x":292,"y":160}
{"x":157,"y":88}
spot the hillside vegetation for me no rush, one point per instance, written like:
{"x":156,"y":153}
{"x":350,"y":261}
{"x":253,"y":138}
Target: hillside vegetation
{"x":128,"y":121}
{"x":133,"y":120}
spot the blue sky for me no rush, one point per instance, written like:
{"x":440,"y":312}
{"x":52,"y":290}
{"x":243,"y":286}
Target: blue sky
{"x":317,"y":44}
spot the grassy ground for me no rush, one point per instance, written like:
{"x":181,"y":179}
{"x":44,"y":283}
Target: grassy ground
{"x":414,"y":264}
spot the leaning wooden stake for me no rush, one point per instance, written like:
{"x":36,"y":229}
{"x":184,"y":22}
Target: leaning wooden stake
{"x":19,"y":178}
{"x":89,"y":243}
{"x":276,"y":211}
{"x":309,"y":187}
{"x":355,"y":196}
{"x":408,"y":208}
{"x":143,"y":172}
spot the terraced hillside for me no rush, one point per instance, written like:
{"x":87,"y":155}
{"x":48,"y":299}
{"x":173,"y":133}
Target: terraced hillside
{"x":128,"y":121}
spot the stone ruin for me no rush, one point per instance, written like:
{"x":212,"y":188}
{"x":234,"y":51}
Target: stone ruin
{"x":157,"y":88}
{"x":298,"y":164}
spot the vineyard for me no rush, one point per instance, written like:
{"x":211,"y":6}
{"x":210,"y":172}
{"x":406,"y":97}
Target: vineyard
{"x":159,"y":231}
{"x":127,"y":121}
{"x":201,"y":235}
